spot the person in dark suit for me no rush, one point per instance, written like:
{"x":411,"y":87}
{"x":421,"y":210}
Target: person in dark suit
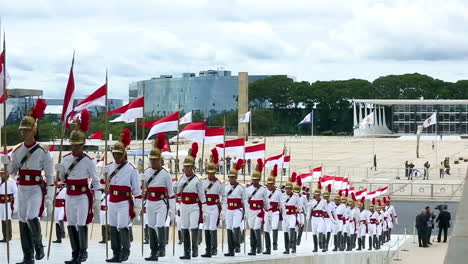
{"x":443,"y":220}
{"x":430,"y":224}
{"x":421,"y":226}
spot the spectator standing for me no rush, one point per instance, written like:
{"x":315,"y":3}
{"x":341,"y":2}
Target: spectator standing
{"x":441,"y":170}
{"x":228,"y":164}
{"x":426,"y":170}
{"x":221,"y":166}
{"x":407,"y":170}
{"x":170,"y":165}
{"x":443,"y":220}
{"x":430,"y":224}
{"x":421,"y":226}
{"x":249,"y":166}
{"x":140,"y":165}
{"x":447,"y":166}
{"x":411,"y":171}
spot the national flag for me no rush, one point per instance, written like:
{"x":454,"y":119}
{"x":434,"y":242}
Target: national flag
{"x":286,"y":161}
{"x":367,"y":121}
{"x":233,"y":147}
{"x":69,"y":94}
{"x":245,"y":118}
{"x":255,"y":152}
{"x":432,"y":120}
{"x":308,"y":119}
{"x":372,"y":195}
{"x":383,"y":190}
{"x":187,"y":118}
{"x":306,"y":177}
{"x":193,"y":132}
{"x":97,"y":98}
{"x":338,"y":183}
{"x":165,"y":124}
{"x":361,"y":193}
{"x":100,"y":162}
{"x":275,"y":160}
{"x":97,"y":135}
{"x":9,"y":152}
{"x":317,"y":172}
{"x":51,"y":148}
{"x":326,"y":180}
{"x":129,"y":112}
{"x":3,"y":74}
{"x":214,"y":135}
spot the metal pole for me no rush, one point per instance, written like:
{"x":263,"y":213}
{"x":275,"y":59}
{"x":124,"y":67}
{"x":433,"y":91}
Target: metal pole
{"x":176,"y":174}
{"x":224,"y":150}
{"x":143,"y":200}
{"x":106,"y":136}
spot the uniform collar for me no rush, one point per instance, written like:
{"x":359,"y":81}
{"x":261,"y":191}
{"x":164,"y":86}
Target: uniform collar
{"x":30,"y":146}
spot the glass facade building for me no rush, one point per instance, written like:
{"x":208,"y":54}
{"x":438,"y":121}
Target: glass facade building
{"x":210,"y":92}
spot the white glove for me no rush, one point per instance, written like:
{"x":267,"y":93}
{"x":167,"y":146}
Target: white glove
{"x":97,"y":205}
{"x":5,"y":159}
{"x":15,"y":207}
{"x":136,"y":209}
{"x":57,"y":167}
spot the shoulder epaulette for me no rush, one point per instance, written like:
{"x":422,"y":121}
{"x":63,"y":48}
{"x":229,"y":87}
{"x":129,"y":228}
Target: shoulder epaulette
{"x":43,"y":148}
{"x":66,"y":155}
{"x":131,"y":165}
{"x":17,"y":147}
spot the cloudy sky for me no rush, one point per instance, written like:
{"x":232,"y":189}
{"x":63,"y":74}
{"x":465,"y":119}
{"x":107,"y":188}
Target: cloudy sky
{"x":310,"y":40}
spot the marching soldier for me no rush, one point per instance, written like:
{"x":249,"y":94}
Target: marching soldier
{"x":258,"y":203}
{"x":192,"y":197}
{"x":344,"y":219}
{"x":59,"y":215}
{"x":386,"y":220}
{"x":363,"y":224}
{"x":341,"y":217}
{"x":354,"y":220}
{"x":379,"y":225}
{"x":393,"y":217}
{"x":336,"y":228}
{"x":28,"y":161}
{"x":301,"y":209}
{"x":317,"y":207}
{"x":160,"y":199}
{"x":123,"y":183}
{"x":372,"y":227}
{"x":273,"y":216}
{"x":7,"y":200}
{"x":75,"y":169}
{"x":349,"y":227}
{"x":290,"y":210}
{"x":236,"y":199}
{"x":215,"y":195}
{"x":102,"y":213}
{"x":328,"y":218}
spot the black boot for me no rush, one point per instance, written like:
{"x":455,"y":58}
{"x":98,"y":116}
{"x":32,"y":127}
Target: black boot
{"x":258,"y":240}
{"x":375,"y":241}
{"x":275,"y":239}
{"x":26,"y":244}
{"x":299,"y":235}
{"x":186,"y":238}
{"x":267,"y":244}
{"x":214,"y":242}
{"x":242,"y":237}
{"x":363,"y":242}
{"x":6,"y":235}
{"x":237,"y":239}
{"x":130,"y":233}
{"x":166,"y":232}
{"x":3,"y":232}
{"x":35,"y":227}
{"x":327,"y":242}
{"x":354,"y":241}
{"x":195,"y":239}
{"x":230,"y":240}
{"x":9,"y":234}
{"x":161,"y":241}
{"x":315,"y":243}
{"x":146,"y":235}
{"x":253,"y":243}
{"x":335,"y":242}
{"x":344,"y":238}
{"x":208,"y":244}
{"x":359,"y":243}
{"x":116,"y":245}
{"x":370,"y":243}
{"x":286,"y":242}
{"x":103,"y":235}
{"x":179,"y":234}
{"x":292,"y":235}
{"x":348,"y":243}
{"x":389,"y":234}
{"x":83,"y":238}
{"x":125,"y":240}
{"x":153,"y":241}
{"x":320,"y":241}
{"x":74,"y":243}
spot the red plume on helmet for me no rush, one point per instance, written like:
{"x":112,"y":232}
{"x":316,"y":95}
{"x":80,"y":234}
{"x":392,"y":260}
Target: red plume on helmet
{"x":160,"y":141}
{"x":329,"y":188}
{"x":389,"y":198}
{"x":293,"y":177}
{"x":126,"y":137}
{"x":340,"y":192}
{"x":379,"y":202}
{"x":299,"y":181}
{"x":85,"y":120}
{"x":239,"y":164}
{"x":260,"y":165}
{"x":39,"y":108}
{"x":275,"y":170}
{"x":373,"y":201}
{"x":363,"y":199}
{"x":194,"y":149}
{"x":215,"y":154}
{"x":385,"y":200}
{"x":319,"y":185}
{"x":353,"y":196}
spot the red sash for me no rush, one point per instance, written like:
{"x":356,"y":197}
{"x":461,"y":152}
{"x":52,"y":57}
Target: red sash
{"x":120,"y":193}
{"x":155,"y":194}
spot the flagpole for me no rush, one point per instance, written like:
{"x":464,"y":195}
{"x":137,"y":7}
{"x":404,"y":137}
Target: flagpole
{"x":437,"y":135}
{"x":143,"y":200}
{"x":224,"y":149}
{"x":264,"y":171}
{"x":202,"y":155}
{"x":106,"y":136}
{"x":5,"y":151}
{"x":250,"y":122}
{"x":57,"y":172}
{"x":176,"y":173}
{"x":312,"y":135}
{"x":282,"y":163}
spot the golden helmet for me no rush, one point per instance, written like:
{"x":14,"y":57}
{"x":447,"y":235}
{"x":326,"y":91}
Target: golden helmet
{"x":212,"y":166}
{"x":318,"y":191}
{"x":371,"y":207}
{"x":29,"y":121}
{"x":192,"y":155}
{"x":327,"y":192}
{"x":158,"y":145}
{"x":271,"y":180}
{"x":235,"y":168}
{"x":78,"y":135}
{"x":288,"y":185}
{"x":124,"y":141}
{"x":297,"y":188}
{"x":257,"y":175}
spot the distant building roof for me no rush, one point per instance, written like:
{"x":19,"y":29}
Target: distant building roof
{"x":19,"y":93}
{"x":411,"y":101}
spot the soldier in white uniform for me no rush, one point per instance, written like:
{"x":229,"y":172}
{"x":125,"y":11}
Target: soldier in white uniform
{"x":316,"y":209}
{"x":328,"y":218}
{"x":272,"y":219}
{"x":341,"y":217}
{"x":336,"y":223}
{"x":363,"y":225}
{"x":344,"y":219}
{"x":75,"y":170}
{"x":102,"y":212}
{"x":9,"y":201}
{"x":379,"y":225}
{"x":28,"y":160}
{"x":59,"y":214}
{"x":192,"y":196}
{"x":160,"y":200}
{"x":236,"y":199}
{"x":372,"y":227}
{"x":290,"y":211}
{"x":301,"y":210}
{"x":123,"y":183}
{"x":354,"y":220}
{"x":258,"y":204}
{"x":393,"y":217}
{"x":215,"y":196}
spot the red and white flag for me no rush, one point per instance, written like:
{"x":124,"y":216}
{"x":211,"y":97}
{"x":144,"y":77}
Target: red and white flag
{"x":100,"y":162}
{"x":233,"y":147}
{"x":383,"y":190}
{"x":97,"y":98}
{"x":165,"y":124}
{"x":3,"y":74}
{"x":255,"y":152}
{"x":68,"y":97}
{"x":361,"y":193}
{"x":326,"y":180}
{"x":275,"y":160}
{"x":372,"y":195}
{"x":317,"y":172}
{"x":306,"y":177}
{"x":214,"y":135}
{"x":97,"y":135}
{"x":129,"y":112}
{"x":193,"y":132}
{"x":286,"y":161}
{"x":338,"y":183}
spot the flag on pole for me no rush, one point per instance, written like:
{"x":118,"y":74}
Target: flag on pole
{"x":372,"y":195}
{"x":432,"y":120}
{"x":165,"y":124}
{"x":245,"y":118}
{"x":275,"y":160}
{"x":317,"y":172}
{"x":383,"y":190}
{"x":233,"y":147}
{"x":193,"y":132}
{"x":367,"y":121}
{"x":97,"y":98}
{"x":187,"y":118}
{"x":129,"y":112}
{"x":3,"y":74}
{"x":68,"y":98}
{"x":214,"y":135}
{"x":286,"y":161}
{"x":308,"y":119}
{"x":255,"y":152}
{"x":326,"y":180}
{"x":361,"y":193}
{"x":306,"y":177}
{"x":97,"y":135}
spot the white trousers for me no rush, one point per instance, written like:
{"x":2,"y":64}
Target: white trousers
{"x":59,"y":214}
{"x":210,"y":217}
{"x":253,"y":220}
{"x":77,"y":209}
{"x":102,"y":217}
{"x":361,"y":230}
{"x":351,"y":228}
{"x":2,"y":211}
{"x":29,"y":202}
{"x":271,"y":221}
{"x":328,"y":224}
{"x":372,"y":229}
{"x":156,"y":213}
{"x":289,"y":222}
{"x":119,"y":214}
{"x":233,"y":218}
{"x":189,"y":216}
{"x":316,"y":225}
